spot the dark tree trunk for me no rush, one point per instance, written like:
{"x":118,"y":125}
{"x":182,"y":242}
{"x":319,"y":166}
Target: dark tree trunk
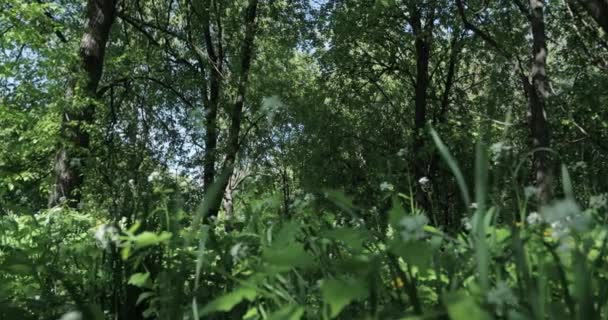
{"x":216,"y":57}
{"x":74,"y":147}
{"x":423,"y":31}
{"x":237,"y":111}
{"x":537,"y":90}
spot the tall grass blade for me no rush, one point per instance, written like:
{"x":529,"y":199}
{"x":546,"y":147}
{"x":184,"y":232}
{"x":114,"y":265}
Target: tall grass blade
{"x":449,"y":159}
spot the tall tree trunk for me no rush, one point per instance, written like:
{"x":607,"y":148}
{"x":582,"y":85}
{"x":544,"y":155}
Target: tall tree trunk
{"x":216,"y":57}
{"x":237,"y":111}
{"x":423,"y":31}
{"x":537,"y":90}
{"x":74,"y":147}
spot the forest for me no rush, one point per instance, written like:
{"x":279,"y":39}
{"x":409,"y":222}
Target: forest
{"x":303,"y":159}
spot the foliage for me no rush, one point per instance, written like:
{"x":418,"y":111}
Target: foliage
{"x":294,"y":159}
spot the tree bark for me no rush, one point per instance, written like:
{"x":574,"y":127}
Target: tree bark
{"x":423,"y":34}
{"x":70,"y":158}
{"x":216,"y":57}
{"x":237,"y":110}
{"x":537,"y":90}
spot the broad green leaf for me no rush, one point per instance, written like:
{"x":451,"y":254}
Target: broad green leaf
{"x":417,"y":253}
{"x":228,"y":301}
{"x":290,"y":256}
{"x":17,"y":262}
{"x":351,"y":237}
{"x":396,"y":213}
{"x":461,"y":306}
{"x":139,"y":279}
{"x":148,"y":238}
{"x":143,"y":296}
{"x":290,"y":312}
{"x":338,"y":293}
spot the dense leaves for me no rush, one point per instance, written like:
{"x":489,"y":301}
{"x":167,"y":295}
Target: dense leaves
{"x":296,"y":159}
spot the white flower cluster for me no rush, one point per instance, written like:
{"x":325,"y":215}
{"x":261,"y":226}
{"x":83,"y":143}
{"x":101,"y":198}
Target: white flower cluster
{"x":413,"y":227}
{"x":497,"y":149}
{"x":599,"y":201}
{"x":530,"y":191}
{"x":534,"y":218}
{"x":466,"y":223}
{"x":72,"y":315}
{"x":582,"y":165}
{"x":154,"y":176}
{"x":564,"y":216}
{"x":106,"y":234}
{"x":501,"y":295}
{"x":425,"y":183}
{"x":239,"y":251}
{"x":385,"y":186}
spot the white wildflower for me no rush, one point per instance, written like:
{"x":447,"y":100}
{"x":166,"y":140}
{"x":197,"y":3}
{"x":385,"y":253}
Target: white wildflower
{"x":497,"y":149}
{"x":580,"y":165}
{"x":530,"y":191}
{"x":309,"y":197}
{"x":105,"y":234}
{"x":154,"y":176}
{"x":75,"y":162}
{"x":534,"y":218}
{"x":413,"y":227}
{"x":565,"y":215}
{"x":72,"y":315}
{"x":122,"y":223}
{"x":424,"y":181}
{"x":466,"y":223}
{"x":385,"y":186}
{"x":238,"y":251}
{"x":501,"y":295}
{"x":599,"y":201}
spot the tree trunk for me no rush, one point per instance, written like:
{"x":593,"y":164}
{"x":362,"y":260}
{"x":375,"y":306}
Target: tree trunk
{"x":424,"y":36}
{"x":216,"y":57}
{"x":74,"y":146}
{"x":537,"y":90}
{"x":237,"y":111}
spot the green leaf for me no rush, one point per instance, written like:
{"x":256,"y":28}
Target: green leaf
{"x":447,"y":156}
{"x":351,"y":237}
{"x":341,"y":200}
{"x":290,"y":256}
{"x":143,"y":296}
{"x":18,"y":262}
{"x":228,"y":301}
{"x":139,"y":279}
{"x":338,"y":293}
{"x":567,"y":183}
{"x":290,"y":312}
{"x":148,"y":238}
{"x":417,"y":253}
{"x":396,"y":213}
{"x":461,"y":306}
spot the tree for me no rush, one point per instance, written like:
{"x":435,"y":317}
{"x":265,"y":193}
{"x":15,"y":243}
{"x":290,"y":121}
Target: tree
{"x":81,"y":96}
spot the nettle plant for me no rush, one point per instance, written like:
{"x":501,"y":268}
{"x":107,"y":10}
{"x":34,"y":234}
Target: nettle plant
{"x":316,"y":265}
